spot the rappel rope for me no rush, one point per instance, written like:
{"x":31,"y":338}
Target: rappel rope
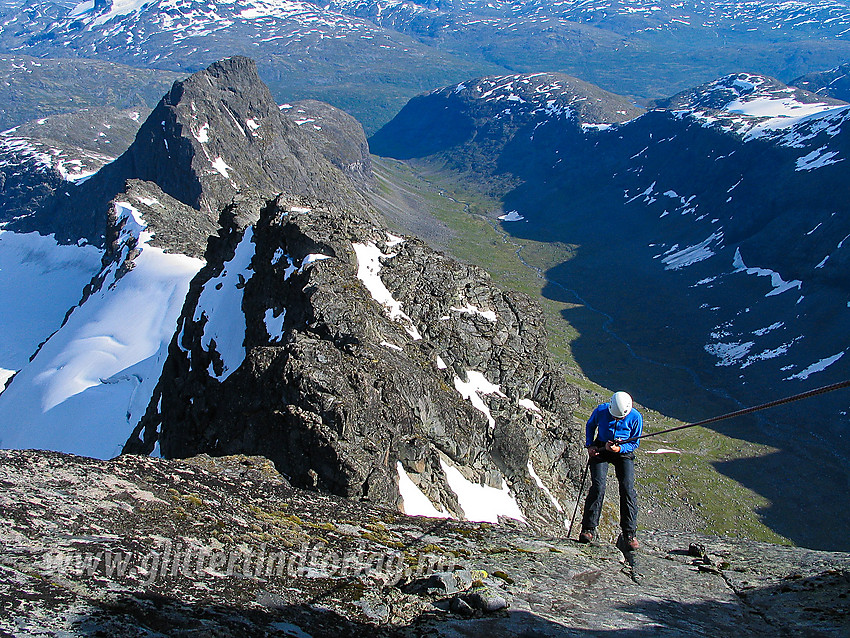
{"x":763,"y":406}
{"x":722,"y":417}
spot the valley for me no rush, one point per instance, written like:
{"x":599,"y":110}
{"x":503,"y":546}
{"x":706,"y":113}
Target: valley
{"x":647,"y":330}
{"x":689,"y":489}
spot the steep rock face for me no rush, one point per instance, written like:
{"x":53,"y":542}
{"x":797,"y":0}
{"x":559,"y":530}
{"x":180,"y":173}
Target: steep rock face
{"x":339,"y":136}
{"x":215,"y":137}
{"x":361,"y":362}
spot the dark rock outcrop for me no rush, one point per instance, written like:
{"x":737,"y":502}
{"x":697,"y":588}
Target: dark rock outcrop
{"x":141,"y":546}
{"x":341,"y":351}
{"x":215,"y":137}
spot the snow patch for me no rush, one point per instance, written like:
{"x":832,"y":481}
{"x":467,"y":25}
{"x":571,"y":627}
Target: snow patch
{"x":274,"y":324}
{"x":779,"y":284}
{"x":203,"y":135}
{"x":5,"y":375}
{"x":220,"y":305}
{"x":818,"y":158}
{"x":481,"y":503}
{"x":311,"y":259}
{"x":39,"y":281}
{"x":472,"y":390}
{"x":368,"y":267}
{"x":511,"y":216}
{"x":729,"y":353}
{"x":393,"y":240}
{"x":763,"y":331}
{"x":818,"y":366}
{"x":543,"y":487}
{"x":220,"y":166}
{"x":92,"y":380}
{"x":691,"y":254}
{"x":469,"y":309}
{"x":413,"y":500}
{"x":528,"y":404}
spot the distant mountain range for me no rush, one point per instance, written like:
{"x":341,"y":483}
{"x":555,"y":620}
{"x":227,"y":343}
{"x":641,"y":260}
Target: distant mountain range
{"x":369,"y":57}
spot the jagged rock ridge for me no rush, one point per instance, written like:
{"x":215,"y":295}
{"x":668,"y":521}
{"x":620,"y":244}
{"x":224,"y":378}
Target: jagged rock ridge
{"x":359,"y":361}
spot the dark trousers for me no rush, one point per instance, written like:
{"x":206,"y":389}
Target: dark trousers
{"x":624,"y":467}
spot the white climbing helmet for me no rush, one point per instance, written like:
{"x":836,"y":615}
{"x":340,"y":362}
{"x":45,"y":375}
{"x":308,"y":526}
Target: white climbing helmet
{"x":620,"y":405}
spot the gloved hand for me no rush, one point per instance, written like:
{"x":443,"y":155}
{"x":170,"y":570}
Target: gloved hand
{"x":592,"y":451}
{"x":612,"y":447}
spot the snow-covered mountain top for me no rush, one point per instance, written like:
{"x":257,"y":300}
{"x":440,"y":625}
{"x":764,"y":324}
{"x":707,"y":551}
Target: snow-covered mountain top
{"x":834,"y":82}
{"x":755,"y":106}
{"x":75,"y":145}
{"x":189,"y":18}
{"x":767,"y":14}
{"x":167,"y":33}
{"x":750,"y":94}
{"x":551,"y":94}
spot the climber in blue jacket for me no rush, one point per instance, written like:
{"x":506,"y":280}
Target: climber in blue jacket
{"x":609,"y":425}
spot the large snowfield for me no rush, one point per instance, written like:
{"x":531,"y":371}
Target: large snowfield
{"x":91,"y":381}
{"x":39,"y":281}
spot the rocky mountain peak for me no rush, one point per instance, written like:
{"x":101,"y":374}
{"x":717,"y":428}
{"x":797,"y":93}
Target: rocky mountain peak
{"x":220,"y":135}
{"x":549,"y":94}
{"x":493,"y":110}
{"x":216,"y":137}
{"x":488,"y":126}
{"x":154,"y":210}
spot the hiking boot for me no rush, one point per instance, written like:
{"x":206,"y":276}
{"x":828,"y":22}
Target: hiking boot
{"x":630,"y":541}
{"x":586,"y":536}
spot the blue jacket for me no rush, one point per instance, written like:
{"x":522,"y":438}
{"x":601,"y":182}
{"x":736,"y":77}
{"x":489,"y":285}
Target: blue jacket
{"x":611,"y":429}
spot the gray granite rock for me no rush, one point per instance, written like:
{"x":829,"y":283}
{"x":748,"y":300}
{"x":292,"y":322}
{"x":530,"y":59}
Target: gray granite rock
{"x":147,"y":547}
